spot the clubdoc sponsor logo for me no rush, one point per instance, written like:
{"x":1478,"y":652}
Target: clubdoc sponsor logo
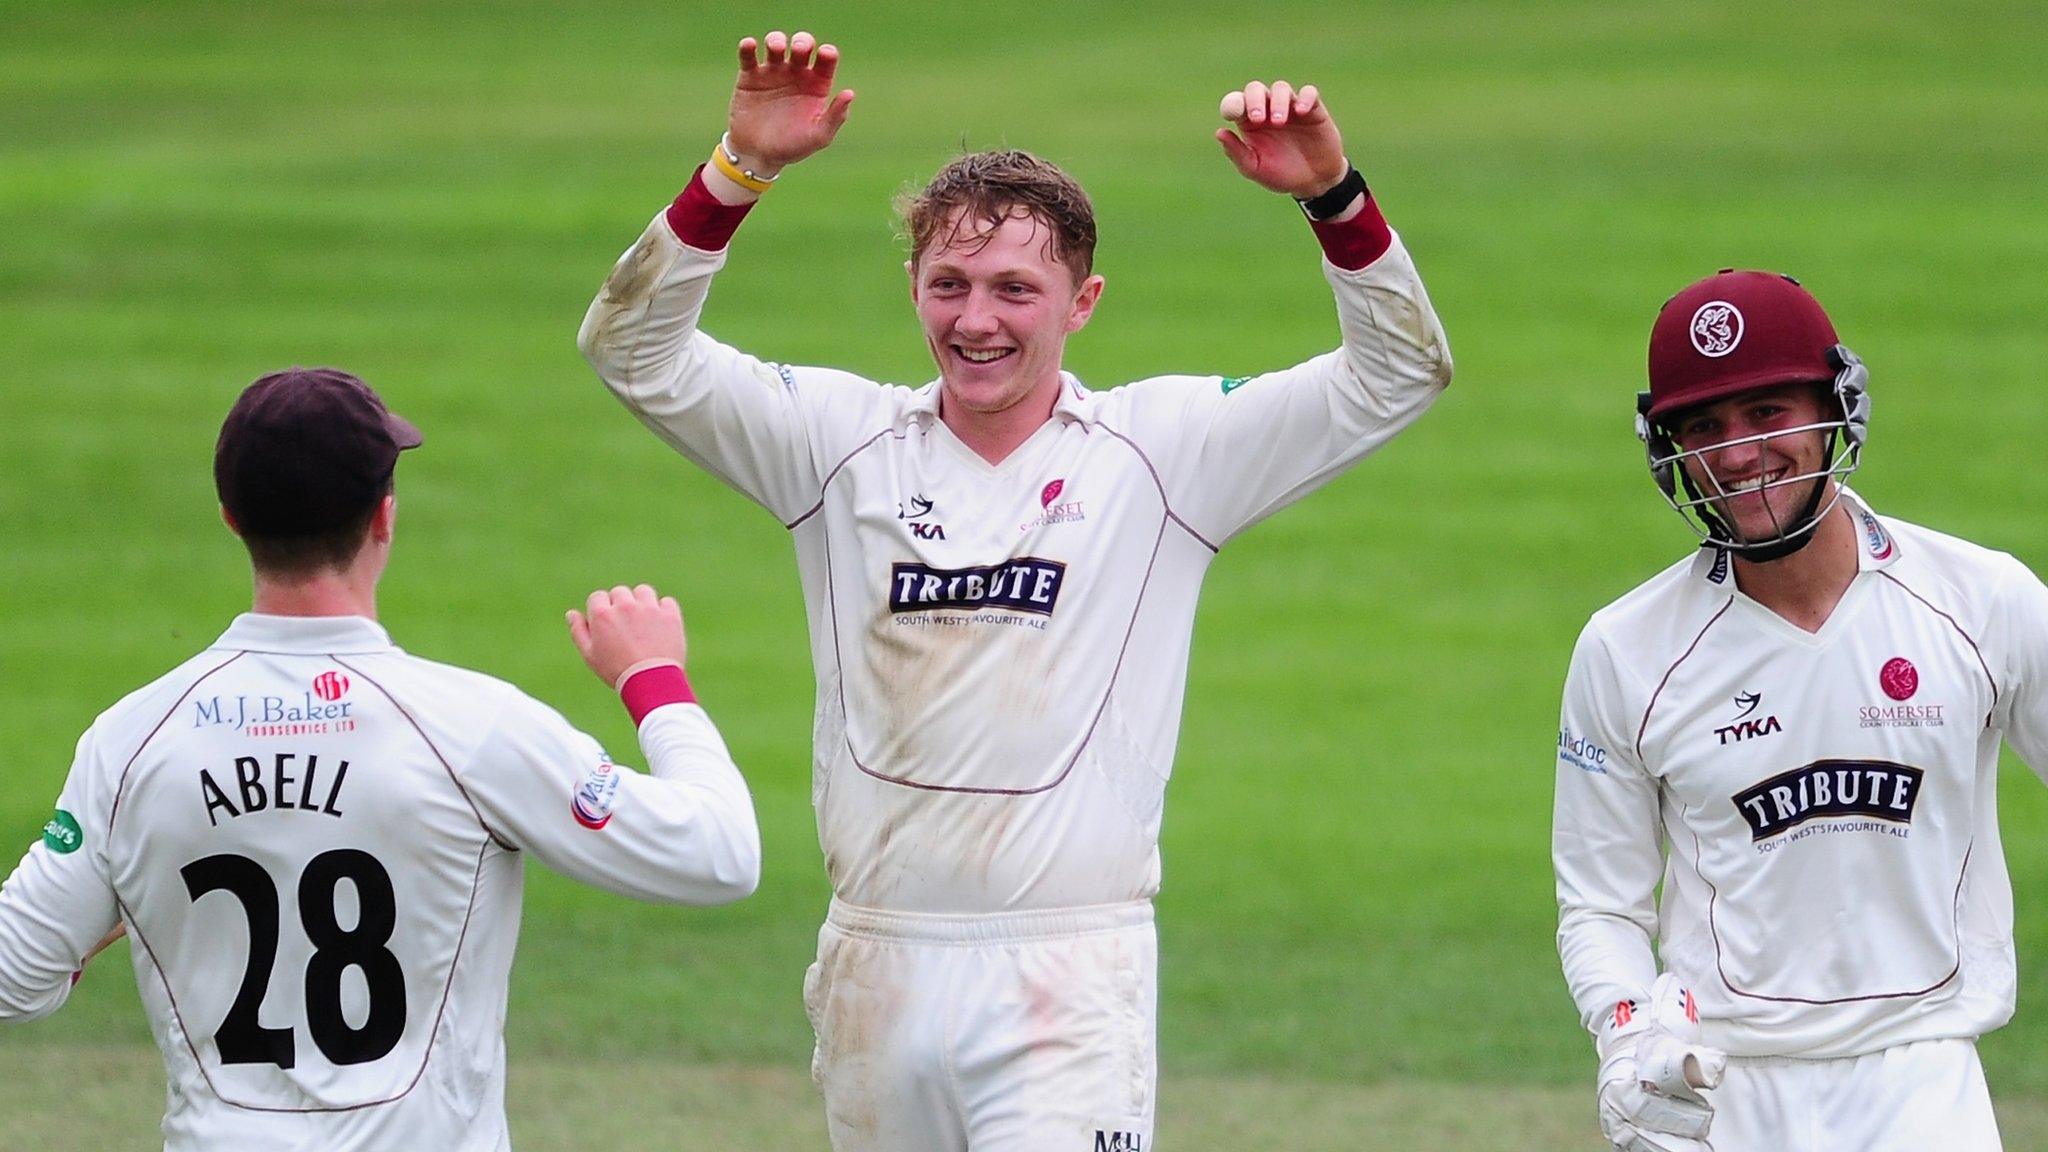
{"x":1026,"y":584}
{"x":312,"y":713}
{"x":62,"y":834}
{"x":1054,"y":512}
{"x":592,"y":804}
{"x":1826,"y":789}
{"x":1580,"y":753}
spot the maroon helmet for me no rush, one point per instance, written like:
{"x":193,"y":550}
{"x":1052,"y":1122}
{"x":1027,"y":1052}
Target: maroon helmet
{"x":1731,"y":333}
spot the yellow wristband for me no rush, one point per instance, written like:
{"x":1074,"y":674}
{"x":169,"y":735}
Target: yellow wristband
{"x":733,"y":172}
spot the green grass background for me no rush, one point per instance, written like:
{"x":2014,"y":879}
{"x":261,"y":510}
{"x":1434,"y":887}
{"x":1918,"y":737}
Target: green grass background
{"x":1358,"y":893}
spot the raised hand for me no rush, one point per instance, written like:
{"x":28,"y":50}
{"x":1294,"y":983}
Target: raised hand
{"x":783,"y":105}
{"x":1285,"y":140}
{"x":627,"y":626}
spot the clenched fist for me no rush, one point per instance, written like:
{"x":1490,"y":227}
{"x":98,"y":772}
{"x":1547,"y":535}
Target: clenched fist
{"x":627,"y":626}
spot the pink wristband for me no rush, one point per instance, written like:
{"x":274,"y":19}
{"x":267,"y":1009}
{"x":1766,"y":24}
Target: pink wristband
{"x":1356,"y":242}
{"x":702,"y":220}
{"x":650,"y":688}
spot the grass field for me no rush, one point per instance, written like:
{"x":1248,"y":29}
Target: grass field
{"x":1356,"y":925}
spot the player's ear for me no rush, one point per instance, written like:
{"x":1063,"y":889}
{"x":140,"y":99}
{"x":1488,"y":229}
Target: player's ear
{"x":910,"y":270}
{"x":384,"y":521}
{"x":228,"y":518}
{"x":1084,"y":303}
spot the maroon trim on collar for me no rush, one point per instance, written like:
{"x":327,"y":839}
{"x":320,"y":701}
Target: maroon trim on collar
{"x":702,"y":220}
{"x":650,"y":688}
{"x":1357,"y":242}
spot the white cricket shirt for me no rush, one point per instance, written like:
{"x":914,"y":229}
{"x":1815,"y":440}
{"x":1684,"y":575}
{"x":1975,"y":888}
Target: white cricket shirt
{"x":1001,"y":650}
{"x":315,"y":841}
{"x":1821,"y":809}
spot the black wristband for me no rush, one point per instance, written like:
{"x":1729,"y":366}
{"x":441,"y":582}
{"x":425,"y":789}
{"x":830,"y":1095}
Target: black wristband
{"x":1337,"y":199}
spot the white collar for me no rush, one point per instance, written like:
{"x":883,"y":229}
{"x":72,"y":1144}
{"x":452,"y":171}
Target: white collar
{"x":257,"y":632}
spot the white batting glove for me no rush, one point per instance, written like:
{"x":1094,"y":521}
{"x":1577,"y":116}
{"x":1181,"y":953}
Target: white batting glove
{"x":1652,"y":1071}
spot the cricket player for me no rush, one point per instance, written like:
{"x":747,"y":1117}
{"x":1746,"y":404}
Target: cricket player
{"x":1795,"y":731}
{"x":1000,"y":569}
{"x":316,"y":841}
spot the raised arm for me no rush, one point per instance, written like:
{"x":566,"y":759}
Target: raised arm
{"x":751,"y":423}
{"x":682,"y":833}
{"x":58,"y":909}
{"x":1235,"y":450}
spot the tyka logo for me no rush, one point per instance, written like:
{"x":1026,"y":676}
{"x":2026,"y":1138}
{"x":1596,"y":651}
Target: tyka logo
{"x":330,"y":685}
{"x":913,"y":511}
{"x":1745,"y":727}
{"x":1106,"y":1141}
{"x":1026,"y":584}
{"x":1827,"y":788}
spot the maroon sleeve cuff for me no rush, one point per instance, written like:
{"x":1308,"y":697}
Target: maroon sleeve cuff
{"x":702,"y":220}
{"x":1352,"y":244}
{"x":645,"y":691}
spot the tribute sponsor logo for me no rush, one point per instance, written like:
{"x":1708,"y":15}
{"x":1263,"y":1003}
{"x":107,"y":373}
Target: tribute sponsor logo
{"x":1579,"y":752}
{"x":1026,"y":584}
{"x":1826,"y":789}
{"x":1054,"y":512}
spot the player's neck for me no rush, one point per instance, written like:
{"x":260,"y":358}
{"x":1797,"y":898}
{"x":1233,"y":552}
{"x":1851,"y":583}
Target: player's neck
{"x":331,"y":593}
{"x":1804,"y":587}
{"x":994,"y":435}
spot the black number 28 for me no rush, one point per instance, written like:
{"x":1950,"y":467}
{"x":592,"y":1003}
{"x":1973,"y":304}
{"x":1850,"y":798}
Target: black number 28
{"x":241,"y":1038}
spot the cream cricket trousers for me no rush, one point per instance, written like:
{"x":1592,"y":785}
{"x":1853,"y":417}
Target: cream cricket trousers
{"x":1013,"y":1032}
{"x":1928,"y":1096}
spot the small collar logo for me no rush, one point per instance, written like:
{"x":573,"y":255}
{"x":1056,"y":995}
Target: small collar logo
{"x":1899,"y":678}
{"x":330,"y":686}
{"x":1716,"y":328}
{"x":1233,"y":383}
{"x":1876,"y":539}
{"x":1718,"y":574}
{"x":62,"y":834}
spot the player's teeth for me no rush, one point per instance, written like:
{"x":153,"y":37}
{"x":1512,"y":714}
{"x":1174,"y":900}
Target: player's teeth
{"x":980,"y":357}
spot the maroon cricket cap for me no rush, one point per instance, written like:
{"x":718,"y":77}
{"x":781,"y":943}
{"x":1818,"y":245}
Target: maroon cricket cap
{"x":1732,"y":332}
{"x":305,"y":450}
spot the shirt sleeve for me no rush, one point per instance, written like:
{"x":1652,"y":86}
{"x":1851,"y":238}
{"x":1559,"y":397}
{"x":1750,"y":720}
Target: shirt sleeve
{"x":59,"y":902}
{"x":1605,"y":840}
{"x":681,"y":833}
{"x":2020,"y":622}
{"x":1232,"y":451}
{"x":751,"y":423}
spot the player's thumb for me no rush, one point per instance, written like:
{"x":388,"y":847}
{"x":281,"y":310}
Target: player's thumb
{"x":835,"y":113}
{"x":1239,"y":152}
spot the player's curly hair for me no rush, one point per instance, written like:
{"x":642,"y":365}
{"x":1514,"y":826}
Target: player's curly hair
{"x":971,"y":197}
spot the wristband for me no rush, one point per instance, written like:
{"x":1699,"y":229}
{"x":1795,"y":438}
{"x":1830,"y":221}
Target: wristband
{"x":1321,"y":208}
{"x":727,"y":162}
{"x":650,"y":688}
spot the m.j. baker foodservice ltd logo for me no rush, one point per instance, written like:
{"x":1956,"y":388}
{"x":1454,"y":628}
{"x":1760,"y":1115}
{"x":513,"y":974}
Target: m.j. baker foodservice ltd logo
{"x":320,"y":710}
{"x":1900,"y":681}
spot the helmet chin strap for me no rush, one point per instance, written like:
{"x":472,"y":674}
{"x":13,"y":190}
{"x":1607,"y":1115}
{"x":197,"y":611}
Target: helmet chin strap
{"x":1787,"y":542}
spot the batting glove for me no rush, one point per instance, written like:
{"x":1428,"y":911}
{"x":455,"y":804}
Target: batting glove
{"x":1652,"y":1070}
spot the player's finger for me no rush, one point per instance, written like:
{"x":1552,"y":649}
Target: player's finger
{"x":1279,"y":103}
{"x":671,"y":609}
{"x":1255,"y":102}
{"x":1232,"y":108}
{"x":1306,"y":101}
{"x":620,"y":595}
{"x":579,"y":631}
{"x":597,"y":602}
{"x":645,"y":594}
{"x":1239,"y":152}
{"x":828,"y":63}
{"x":749,"y":60}
{"x":778,"y":47}
{"x":835,"y":112}
{"x":801,"y":46}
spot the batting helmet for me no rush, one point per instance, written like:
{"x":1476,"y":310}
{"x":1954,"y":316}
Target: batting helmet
{"x":1735,"y":332}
